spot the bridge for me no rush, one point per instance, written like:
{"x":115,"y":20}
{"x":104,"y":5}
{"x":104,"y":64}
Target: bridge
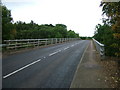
{"x":52,"y":63}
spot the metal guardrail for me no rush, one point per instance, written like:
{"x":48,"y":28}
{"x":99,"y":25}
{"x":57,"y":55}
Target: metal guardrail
{"x":24,"y":43}
{"x":100,"y":48}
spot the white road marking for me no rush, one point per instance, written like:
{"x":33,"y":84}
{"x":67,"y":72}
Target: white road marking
{"x":59,"y":50}
{"x":21,"y":68}
{"x":72,"y":45}
{"x":66,"y":48}
{"x":53,"y":53}
{"x":44,"y":57}
{"x":35,"y":62}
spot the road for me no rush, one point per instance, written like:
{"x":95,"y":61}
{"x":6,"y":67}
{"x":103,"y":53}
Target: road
{"x":49,"y":67}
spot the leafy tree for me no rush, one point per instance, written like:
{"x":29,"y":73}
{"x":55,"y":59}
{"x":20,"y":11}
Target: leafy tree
{"x":22,"y":30}
{"x":112,"y":11}
{"x":72,"y":34}
{"x":62,"y":29}
{"x":104,"y":34}
{"x":8,"y":29}
{"x":86,"y":38}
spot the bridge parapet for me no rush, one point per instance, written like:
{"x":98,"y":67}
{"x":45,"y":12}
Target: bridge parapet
{"x":24,"y":43}
{"x":100,"y":48}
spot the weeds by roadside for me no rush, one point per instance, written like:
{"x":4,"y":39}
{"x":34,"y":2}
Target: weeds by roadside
{"x":111,"y":71}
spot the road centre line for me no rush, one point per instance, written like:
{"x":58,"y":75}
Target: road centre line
{"x":44,"y":57}
{"x":21,"y":68}
{"x":59,"y":50}
{"x":32,"y":63}
{"x":66,"y":48}
{"x":28,"y":65}
{"x":72,"y":45}
{"x":54,"y":53}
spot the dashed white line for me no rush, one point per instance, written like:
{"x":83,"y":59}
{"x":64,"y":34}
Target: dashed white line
{"x":21,"y":68}
{"x":59,"y":50}
{"x":66,"y":48}
{"x":53,"y":53}
{"x":44,"y":57}
{"x":35,"y":62}
{"x":72,"y":45}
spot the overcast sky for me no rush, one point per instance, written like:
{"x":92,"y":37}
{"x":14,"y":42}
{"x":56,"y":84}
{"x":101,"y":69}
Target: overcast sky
{"x":79,"y":15}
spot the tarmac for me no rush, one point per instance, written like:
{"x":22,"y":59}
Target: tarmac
{"x":89,"y":73}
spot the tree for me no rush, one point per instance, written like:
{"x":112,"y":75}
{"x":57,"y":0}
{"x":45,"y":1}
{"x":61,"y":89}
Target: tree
{"x":104,"y":34}
{"x":22,"y":30}
{"x":72,"y":34}
{"x":8,"y":30}
{"x":112,"y":11}
{"x":61,"y":29}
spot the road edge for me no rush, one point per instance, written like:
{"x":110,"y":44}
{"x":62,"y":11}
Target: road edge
{"x":80,"y":63}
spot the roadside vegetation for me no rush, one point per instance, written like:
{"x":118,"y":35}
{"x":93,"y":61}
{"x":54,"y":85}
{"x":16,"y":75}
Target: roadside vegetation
{"x":86,"y":38}
{"x":109,"y":35}
{"x":22,"y":30}
{"x":109,"y":32}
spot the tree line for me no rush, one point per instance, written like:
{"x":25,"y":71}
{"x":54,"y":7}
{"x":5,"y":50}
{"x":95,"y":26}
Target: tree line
{"x":109,"y":32}
{"x":23,"y":30}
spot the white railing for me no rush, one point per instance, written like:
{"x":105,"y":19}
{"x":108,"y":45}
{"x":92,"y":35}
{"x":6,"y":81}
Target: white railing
{"x":100,"y":48}
{"x":24,"y":43}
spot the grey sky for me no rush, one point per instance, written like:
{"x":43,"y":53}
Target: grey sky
{"x":79,"y":15}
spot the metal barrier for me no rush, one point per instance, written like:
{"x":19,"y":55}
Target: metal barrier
{"x":24,"y":43}
{"x":100,"y":48}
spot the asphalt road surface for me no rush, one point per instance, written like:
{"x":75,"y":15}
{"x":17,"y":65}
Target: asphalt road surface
{"x":49,"y":67}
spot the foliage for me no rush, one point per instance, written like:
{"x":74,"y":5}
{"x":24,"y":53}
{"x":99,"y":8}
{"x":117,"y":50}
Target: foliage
{"x":22,"y":30}
{"x":104,"y":34}
{"x":112,"y":24}
{"x":86,"y":38}
{"x":72,"y":34}
{"x":8,"y":30}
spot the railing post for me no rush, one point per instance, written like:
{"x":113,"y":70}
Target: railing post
{"x":15,"y":44}
{"x":45,"y":42}
{"x":38,"y":42}
{"x":28,"y":43}
{"x":102,"y":52}
{"x":8,"y":43}
{"x":62,"y":40}
{"x":51,"y":40}
{"x":56,"y":40}
{"x":59,"y":40}
{"x":34,"y":43}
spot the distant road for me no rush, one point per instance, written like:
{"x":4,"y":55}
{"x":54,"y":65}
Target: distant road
{"x":49,"y":67}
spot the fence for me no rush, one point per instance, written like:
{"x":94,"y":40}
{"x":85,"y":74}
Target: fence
{"x":100,"y":48}
{"x":24,"y":43}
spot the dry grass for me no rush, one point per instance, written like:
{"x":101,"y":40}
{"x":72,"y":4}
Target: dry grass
{"x":111,"y":71}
